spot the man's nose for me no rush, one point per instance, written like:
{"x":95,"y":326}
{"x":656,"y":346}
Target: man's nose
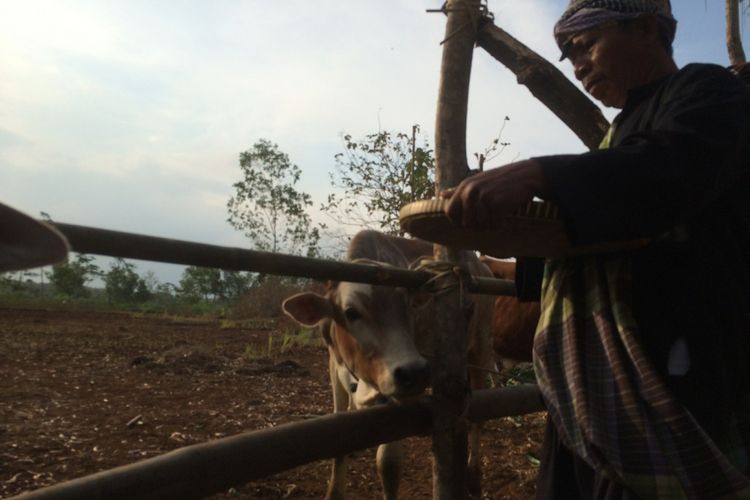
{"x":581,"y":67}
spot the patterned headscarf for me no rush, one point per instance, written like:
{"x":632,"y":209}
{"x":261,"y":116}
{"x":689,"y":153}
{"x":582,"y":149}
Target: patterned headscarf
{"x":583,"y":15}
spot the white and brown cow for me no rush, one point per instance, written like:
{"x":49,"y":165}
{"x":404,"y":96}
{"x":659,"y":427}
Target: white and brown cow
{"x":378,"y":350}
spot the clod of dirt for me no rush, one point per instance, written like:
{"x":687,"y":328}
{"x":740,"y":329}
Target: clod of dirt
{"x":142,"y":361}
{"x":287,"y":368}
{"x":182,"y":359}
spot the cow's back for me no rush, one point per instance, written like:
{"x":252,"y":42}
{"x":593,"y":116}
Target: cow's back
{"x":380,"y":247}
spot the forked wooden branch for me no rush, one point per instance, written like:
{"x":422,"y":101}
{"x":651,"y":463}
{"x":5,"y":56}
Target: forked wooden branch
{"x":546,"y":83}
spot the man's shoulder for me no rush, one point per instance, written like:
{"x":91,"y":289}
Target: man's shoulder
{"x":697,"y":81}
{"x":703,"y":68}
{"x":706,"y":72}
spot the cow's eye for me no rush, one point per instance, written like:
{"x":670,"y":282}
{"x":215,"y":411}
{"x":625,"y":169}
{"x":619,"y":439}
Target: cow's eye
{"x":352,"y":314}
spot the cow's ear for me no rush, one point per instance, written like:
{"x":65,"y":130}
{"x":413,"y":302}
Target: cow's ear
{"x":307,"y":309}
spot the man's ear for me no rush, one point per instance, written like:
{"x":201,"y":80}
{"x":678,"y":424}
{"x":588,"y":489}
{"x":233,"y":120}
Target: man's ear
{"x":307,"y":309}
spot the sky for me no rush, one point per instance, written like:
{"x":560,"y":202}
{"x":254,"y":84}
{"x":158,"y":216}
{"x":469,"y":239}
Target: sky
{"x":130,"y":115}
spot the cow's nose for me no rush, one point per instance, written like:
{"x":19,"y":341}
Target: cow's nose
{"x":413,"y":376}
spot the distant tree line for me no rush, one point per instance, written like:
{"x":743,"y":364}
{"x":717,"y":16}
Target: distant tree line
{"x":124,"y":285}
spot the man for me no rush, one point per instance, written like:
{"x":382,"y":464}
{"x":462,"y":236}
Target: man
{"x":643,"y":357}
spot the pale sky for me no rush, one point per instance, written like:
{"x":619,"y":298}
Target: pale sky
{"x":130,"y":115}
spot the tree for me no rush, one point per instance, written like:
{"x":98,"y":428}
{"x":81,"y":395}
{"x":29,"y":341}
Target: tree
{"x":201,"y":282}
{"x":15,"y":282}
{"x":734,"y":41}
{"x":123,"y":284}
{"x":235,"y":284}
{"x":378,"y":175}
{"x":206,"y":283}
{"x":267,"y":207}
{"x":70,"y":277}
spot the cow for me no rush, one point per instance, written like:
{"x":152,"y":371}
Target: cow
{"x":379,"y":349}
{"x":514,"y":322}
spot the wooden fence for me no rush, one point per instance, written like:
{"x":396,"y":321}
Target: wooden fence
{"x":204,"y":469}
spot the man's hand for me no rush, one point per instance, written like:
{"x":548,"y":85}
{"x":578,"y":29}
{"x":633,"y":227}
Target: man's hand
{"x":480,"y":200}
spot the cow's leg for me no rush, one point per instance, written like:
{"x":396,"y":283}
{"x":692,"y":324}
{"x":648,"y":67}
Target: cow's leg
{"x":390,"y":457}
{"x":341,"y":402}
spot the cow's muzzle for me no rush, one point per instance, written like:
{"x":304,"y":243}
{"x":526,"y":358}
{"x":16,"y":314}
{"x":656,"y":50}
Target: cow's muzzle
{"x":411,"y":378}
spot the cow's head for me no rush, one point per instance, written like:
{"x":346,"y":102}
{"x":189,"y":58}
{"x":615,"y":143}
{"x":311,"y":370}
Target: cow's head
{"x":370,"y":330}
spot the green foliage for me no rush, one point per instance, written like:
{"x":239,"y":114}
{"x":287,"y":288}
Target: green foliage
{"x":288,"y":341}
{"x":69,"y":278}
{"x":122,"y":283}
{"x":267,"y":207}
{"x":200,"y":283}
{"x":213,"y":284}
{"x":235,"y":284}
{"x":16,"y":282}
{"x":293,"y":338}
{"x":378,"y":175}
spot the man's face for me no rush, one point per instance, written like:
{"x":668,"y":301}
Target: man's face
{"x":609,"y":61}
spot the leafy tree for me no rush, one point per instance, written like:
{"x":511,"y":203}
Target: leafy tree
{"x":151,"y":281}
{"x":15,"y":282}
{"x":164,"y":293}
{"x":267,"y":207}
{"x":201,"y":282}
{"x":123,"y":284}
{"x":235,"y":284}
{"x":69,"y":278}
{"x":165,"y":290}
{"x":206,"y":283}
{"x":378,"y":175}
{"x":385,"y":171}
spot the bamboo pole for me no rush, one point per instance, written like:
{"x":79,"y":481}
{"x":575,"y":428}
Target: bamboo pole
{"x":449,"y":383}
{"x":96,"y":241}
{"x":208,"y":468}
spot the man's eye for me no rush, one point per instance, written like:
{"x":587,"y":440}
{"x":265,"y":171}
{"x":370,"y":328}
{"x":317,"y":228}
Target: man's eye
{"x":351,"y":314}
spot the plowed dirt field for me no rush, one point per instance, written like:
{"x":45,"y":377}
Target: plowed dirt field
{"x":83,"y":392}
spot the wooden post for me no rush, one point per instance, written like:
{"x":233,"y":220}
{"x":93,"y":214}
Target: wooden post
{"x":450,"y":386}
{"x":734,"y":40}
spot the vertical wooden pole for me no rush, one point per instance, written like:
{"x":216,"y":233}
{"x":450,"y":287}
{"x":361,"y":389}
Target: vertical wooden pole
{"x":734,"y":41}
{"x":450,"y":386}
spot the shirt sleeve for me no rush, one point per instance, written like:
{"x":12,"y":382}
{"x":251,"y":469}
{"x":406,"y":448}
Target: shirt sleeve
{"x":679,"y":151}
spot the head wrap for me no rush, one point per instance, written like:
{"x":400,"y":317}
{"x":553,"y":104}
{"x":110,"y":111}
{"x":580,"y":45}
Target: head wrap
{"x":583,"y":15}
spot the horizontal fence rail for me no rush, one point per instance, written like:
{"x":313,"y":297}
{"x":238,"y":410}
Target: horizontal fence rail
{"x":204,"y":469}
{"x":91,"y":240}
